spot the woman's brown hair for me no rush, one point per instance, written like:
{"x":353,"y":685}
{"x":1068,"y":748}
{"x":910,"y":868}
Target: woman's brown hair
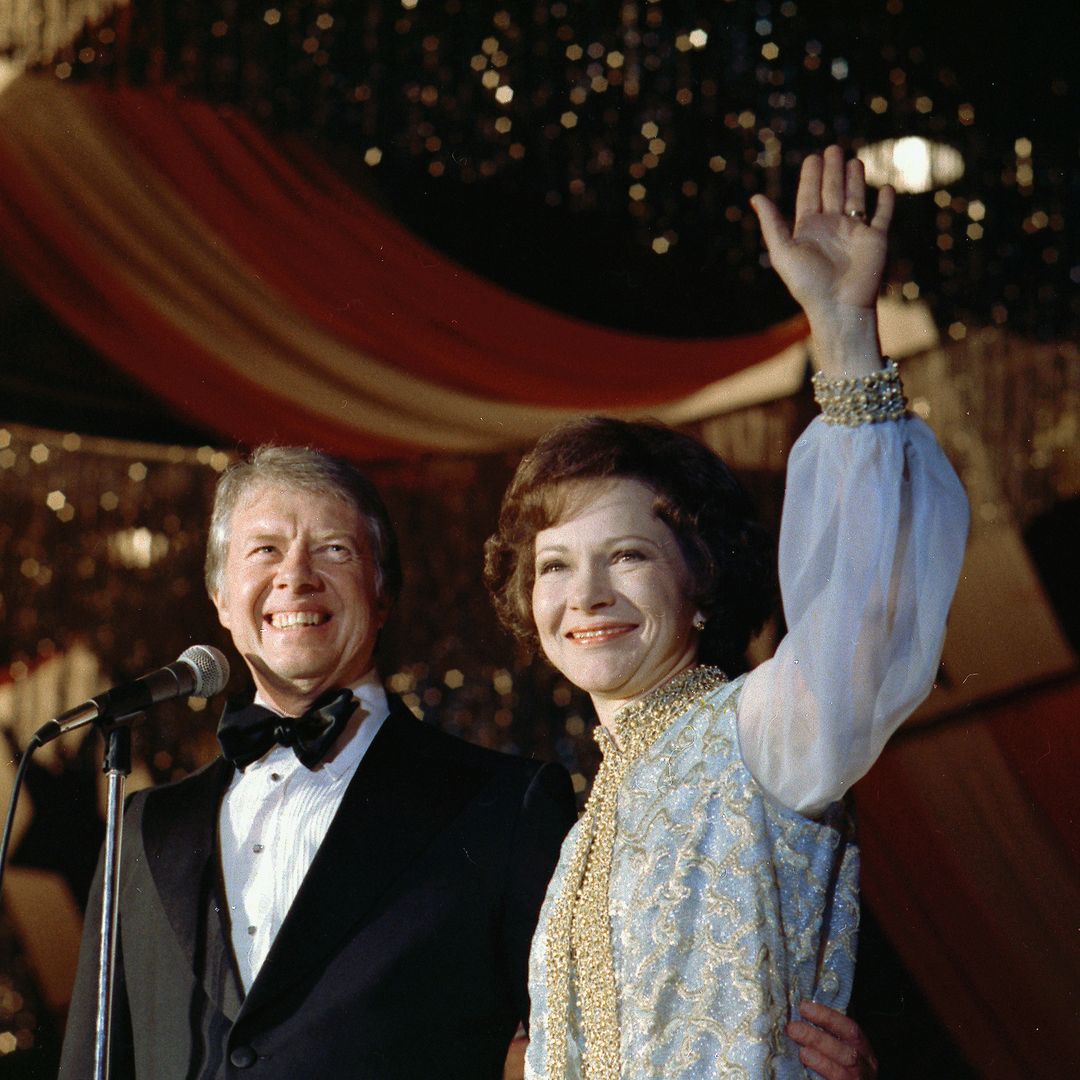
{"x":728,"y":554}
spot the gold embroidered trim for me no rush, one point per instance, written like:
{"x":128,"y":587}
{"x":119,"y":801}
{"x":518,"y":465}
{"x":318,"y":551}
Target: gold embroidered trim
{"x":579,"y":930}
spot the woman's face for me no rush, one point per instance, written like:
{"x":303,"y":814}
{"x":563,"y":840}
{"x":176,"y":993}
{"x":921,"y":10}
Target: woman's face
{"x":610,"y":594}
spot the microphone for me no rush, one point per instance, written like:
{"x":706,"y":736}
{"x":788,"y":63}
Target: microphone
{"x":201,"y":670}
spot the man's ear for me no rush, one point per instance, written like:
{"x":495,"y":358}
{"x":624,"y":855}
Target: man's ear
{"x":222,"y":610}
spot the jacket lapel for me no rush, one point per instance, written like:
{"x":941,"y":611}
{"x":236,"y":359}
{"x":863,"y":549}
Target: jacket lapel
{"x":179,"y":834}
{"x":404,"y":792}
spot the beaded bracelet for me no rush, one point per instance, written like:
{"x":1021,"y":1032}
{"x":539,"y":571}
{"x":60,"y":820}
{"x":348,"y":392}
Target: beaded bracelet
{"x":868,"y":399}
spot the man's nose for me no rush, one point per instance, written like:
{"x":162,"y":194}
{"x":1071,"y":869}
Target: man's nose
{"x":297,"y":569}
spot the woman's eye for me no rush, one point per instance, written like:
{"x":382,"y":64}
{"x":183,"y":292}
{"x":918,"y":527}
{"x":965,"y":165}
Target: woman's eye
{"x":549,"y":567}
{"x":628,"y":555}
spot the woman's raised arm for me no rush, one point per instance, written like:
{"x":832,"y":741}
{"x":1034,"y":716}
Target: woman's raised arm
{"x":873,"y":529}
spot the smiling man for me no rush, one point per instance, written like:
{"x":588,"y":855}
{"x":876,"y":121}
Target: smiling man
{"x":346,"y":892}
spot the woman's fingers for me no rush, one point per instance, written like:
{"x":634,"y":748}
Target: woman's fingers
{"x":808,"y":197}
{"x":774,"y":229}
{"x":855,"y":196}
{"x":832,"y":181}
{"x":829,"y":185}
{"x":883,"y":212}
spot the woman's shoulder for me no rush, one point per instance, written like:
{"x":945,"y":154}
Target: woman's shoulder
{"x":711,"y":712}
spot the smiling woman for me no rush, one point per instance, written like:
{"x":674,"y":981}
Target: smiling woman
{"x":708,"y":897}
{"x":611,"y":594}
{"x":665,"y":489}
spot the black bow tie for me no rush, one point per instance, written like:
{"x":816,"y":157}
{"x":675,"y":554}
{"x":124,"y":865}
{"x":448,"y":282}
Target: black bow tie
{"x":247,"y":732}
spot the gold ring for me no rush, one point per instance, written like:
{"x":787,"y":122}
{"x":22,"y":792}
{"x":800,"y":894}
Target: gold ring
{"x":855,"y":214}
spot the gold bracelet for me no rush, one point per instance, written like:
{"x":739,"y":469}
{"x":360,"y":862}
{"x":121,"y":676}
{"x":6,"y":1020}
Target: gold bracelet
{"x":868,"y":399}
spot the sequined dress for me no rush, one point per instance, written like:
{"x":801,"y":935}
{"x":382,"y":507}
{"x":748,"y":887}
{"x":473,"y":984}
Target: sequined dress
{"x":712,"y":882}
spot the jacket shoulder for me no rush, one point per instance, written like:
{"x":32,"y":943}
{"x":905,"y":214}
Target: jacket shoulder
{"x":431,"y":741}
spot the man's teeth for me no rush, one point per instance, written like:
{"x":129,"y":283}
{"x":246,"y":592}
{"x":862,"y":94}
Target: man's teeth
{"x":282,"y":620}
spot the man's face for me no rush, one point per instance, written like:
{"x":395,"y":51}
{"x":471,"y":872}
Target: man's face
{"x":299,"y":593}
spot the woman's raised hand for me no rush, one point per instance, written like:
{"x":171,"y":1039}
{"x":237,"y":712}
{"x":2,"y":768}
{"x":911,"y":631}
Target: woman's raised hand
{"x":832,"y":261}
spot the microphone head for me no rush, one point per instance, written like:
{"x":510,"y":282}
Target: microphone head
{"x":210,"y":667}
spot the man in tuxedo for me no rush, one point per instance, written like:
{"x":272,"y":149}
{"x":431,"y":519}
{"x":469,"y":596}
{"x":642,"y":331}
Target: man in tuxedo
{"x":357,"y":903}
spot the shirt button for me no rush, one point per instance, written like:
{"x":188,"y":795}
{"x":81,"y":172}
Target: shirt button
{"x":252,"y":931}
{"x":243,"y":1057}
{"x":275,"y":776}
{"x":257,"y":848}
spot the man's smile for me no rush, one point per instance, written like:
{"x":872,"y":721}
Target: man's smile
{"x":287,"y":620}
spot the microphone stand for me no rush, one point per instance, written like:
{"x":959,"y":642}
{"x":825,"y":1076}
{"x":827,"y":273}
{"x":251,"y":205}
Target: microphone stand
{"x":117,"y":767}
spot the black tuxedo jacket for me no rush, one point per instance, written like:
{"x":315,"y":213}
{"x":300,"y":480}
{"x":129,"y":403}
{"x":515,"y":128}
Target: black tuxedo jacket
{"x":403,"y":956}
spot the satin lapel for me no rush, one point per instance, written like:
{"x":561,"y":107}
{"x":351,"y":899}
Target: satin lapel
{"x":179,"y":830}
{"x":404,"y":792}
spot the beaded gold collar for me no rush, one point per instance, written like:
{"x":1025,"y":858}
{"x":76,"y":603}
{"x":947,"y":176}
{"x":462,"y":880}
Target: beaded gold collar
{"x":579,"y":931}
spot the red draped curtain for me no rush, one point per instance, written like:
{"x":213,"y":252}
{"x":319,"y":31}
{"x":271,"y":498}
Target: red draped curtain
{"x":248,"y":284}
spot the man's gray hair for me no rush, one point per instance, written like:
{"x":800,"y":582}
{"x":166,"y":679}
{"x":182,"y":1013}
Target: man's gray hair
{"x":300,"y":467}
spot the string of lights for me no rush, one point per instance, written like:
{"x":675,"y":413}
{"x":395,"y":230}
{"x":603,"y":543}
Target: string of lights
{"x":599,"y":157}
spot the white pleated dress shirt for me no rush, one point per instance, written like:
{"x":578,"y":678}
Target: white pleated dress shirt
{"x":273,"y":818}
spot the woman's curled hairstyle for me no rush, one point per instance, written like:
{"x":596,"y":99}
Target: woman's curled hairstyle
{"x":729,"y":555}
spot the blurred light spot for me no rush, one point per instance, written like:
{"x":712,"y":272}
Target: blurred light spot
{"x":137,"y":548}
{"x":911,"y":164}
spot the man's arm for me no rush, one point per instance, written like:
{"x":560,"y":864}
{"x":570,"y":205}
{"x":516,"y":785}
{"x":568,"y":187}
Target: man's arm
{"x":548,"y":810}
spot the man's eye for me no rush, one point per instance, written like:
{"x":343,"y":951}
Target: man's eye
{"x":339,"y":551}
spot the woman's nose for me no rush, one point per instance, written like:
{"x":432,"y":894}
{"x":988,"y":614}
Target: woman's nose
{"x":591,"y":589}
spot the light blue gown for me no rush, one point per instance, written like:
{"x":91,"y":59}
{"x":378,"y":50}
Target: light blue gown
{"x":733,"y":890}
